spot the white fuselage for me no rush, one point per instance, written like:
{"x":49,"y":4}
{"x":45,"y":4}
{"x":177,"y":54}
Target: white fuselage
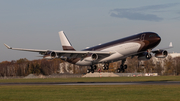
{"x":121,"y":51}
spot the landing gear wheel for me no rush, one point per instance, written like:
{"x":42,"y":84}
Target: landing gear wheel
{"x":106,"y":66}
{"x":92,"y":70}
{"x":123,"y":70}
{"x":125,"y":66}
{"x":118,"y":70}
{"x":148,"y":56}
{"x":94,"y":67}
{"x":121,"y":67}
{"x":88,"y":70}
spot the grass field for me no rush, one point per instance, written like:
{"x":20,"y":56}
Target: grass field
{"x":91,"y":92}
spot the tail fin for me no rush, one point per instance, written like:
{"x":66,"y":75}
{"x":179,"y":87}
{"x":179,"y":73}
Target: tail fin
{"x":66,"y":45}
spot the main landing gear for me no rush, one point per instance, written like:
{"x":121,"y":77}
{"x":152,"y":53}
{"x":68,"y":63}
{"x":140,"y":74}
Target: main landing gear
{"x":93,"y":67}
{"x":122,"y":67}
{"x":106,"y":66}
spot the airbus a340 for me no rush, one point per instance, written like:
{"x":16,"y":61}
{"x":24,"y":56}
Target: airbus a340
{"x":140,"y":45}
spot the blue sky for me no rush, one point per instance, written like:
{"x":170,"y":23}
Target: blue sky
{"x":35,"y":23}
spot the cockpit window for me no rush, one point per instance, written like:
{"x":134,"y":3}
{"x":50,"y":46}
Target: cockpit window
{"x":153,"y":35}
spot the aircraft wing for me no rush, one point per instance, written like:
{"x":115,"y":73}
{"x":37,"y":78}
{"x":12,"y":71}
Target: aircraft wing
{"x":71,"y":54}
{"x":21,"y":49}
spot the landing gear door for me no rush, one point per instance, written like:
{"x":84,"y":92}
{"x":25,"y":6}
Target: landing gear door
{"x":142,"y":37}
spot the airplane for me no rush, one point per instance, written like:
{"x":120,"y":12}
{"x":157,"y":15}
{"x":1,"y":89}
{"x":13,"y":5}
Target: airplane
{"x":140,"y":45}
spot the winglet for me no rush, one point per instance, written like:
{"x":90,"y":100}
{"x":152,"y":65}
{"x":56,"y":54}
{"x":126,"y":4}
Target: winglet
{"x":7,"y":46}
{"x":170,"y":45}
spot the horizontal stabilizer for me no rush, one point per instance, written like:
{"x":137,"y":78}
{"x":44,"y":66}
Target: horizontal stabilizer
{"x":170,"y":45}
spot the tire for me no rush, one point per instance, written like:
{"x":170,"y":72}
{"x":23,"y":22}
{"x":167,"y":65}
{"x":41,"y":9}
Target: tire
{"x":92,"y":70}
{"x":148,"y":56}
{"x":95,"y":67}
{"x":123,"y":70}
{"x":107,"y":65}
{"x":118,"y":70}
{"x":121,"y":67}
{"x":88,"y":70}
{"x":125,"y":66}
{"x":107,"y":68}
{"x":104,"y":68}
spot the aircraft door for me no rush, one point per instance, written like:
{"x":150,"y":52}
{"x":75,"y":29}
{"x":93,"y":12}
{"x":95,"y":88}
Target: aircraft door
{"x":142,"y":37}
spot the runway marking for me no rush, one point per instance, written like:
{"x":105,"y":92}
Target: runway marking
{"x":99,"y":83}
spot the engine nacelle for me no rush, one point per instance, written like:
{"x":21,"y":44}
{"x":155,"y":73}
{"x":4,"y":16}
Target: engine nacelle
{"x":94,"y":56}
{"x":50,"y":55}
{"x":161,"y":54}
{"x":144,"y":56}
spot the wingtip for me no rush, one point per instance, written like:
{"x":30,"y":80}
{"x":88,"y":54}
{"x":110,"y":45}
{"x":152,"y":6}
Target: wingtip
{"x":7,"y":46}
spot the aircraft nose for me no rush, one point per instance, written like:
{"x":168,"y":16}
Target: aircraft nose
{"x":157,"y":40}
{"x":154,"y":41}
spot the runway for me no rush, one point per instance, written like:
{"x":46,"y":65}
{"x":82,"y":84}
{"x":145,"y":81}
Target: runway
{"x":99,"y":83}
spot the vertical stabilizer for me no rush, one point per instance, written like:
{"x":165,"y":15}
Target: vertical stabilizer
{"x":66,"y":45}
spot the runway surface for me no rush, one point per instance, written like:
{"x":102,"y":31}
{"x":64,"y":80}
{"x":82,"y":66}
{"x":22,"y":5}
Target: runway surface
{"x":99,"y":83}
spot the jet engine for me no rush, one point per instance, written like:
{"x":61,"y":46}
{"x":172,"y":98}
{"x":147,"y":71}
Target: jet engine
{"x":50,"y":55}
{"x":144,"y":56}
{"x":161,"y":54}
{"x":94,"y":56}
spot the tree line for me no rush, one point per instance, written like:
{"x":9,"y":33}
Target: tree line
{"x":24,"y":67}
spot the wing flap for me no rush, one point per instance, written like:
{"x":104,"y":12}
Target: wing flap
{"x":82,"y":54}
